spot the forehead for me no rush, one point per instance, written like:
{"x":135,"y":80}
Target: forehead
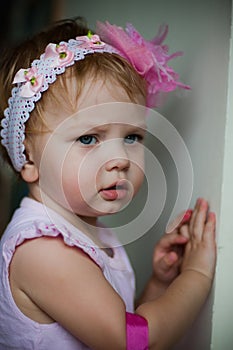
{"x":101,"y":91}
{"x":101,"y":102}
{"x":101,"y":116}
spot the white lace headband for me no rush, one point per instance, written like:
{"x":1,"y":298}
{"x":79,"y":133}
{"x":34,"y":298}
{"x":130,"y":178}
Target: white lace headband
{"x":149,"y":59}
{"x":35,"y":80}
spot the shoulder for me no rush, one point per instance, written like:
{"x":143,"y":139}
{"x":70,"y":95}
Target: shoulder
{"x":69,"y":287}
{"x":44,"y":267}
{"x":51,"y":254}
{"x":37,"y":230}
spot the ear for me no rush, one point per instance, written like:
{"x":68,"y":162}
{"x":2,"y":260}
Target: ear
{"x":30,"y":172}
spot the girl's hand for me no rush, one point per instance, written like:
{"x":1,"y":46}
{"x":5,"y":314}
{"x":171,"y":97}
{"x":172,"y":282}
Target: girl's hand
{"x":168,"y":252}
{"x":187,"y":292}
{"x":200,"y":251}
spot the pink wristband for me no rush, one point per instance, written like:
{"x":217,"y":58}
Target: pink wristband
{"x":136,"y":332}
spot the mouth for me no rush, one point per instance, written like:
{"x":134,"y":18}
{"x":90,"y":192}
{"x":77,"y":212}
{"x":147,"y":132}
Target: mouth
{"x":115,"y":191}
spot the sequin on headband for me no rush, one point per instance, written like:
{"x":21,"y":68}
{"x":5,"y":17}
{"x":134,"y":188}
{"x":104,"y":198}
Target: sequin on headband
{"x":148,"y":58}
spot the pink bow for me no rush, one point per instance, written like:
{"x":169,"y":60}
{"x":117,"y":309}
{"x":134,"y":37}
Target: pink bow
{"x":31,"y":79}
{"x":60,"y":54}
{"x":91,"y":41}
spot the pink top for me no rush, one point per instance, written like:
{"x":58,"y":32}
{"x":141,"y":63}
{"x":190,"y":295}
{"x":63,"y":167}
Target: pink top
{"x":33,"y":220}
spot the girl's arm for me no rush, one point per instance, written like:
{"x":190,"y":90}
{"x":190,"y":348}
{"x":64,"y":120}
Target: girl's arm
{"x":177,"y":308}
{"x":69,"y":287}
{"x":170,"y":316}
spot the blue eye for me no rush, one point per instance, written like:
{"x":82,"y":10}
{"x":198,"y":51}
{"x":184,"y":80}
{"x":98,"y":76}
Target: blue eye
{"x":87,"y":140}
{"x":130,"y":139}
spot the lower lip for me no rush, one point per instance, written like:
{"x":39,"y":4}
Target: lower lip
{"x":113,"y":194}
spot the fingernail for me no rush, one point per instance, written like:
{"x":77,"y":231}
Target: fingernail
{"x":203,"y":204}
{"x":212,"y":216}
{"x":187,"y":215}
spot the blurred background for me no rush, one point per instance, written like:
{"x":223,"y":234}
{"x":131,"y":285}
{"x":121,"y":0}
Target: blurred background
{"x":20,"y":19}
{"x":25,"y":17}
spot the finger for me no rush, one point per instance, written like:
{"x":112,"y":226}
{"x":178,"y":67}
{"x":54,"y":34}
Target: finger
{"x":209,"y":230}
{"x":200,"y":220}
{"x":171,"y":239}
{"x":184,"y":231}
{"x":179,"y":250}
{"x":186,"y":217}
{"x":179,"y":220}
{"x":194,"y":214}
{"x":169,"y":260}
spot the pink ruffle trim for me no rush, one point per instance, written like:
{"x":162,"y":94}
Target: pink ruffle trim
{"x":38,"y":229}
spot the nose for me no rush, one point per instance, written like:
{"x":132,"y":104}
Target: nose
{"x":119,"y":164}
{"x":117,"y":157}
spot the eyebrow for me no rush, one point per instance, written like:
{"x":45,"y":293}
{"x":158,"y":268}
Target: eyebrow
{"x":105,"y":125}
{"x":89,"y":126}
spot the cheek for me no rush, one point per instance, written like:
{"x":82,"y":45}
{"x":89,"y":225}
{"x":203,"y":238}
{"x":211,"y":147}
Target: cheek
{"x":56,"y":171}
{"x":78,"y":176}
{"x":137,"y":177}
{"x":89,"y":168}
{"x":137,"y":169}
{"x":51,"y":180}
{"x":70,"y":185}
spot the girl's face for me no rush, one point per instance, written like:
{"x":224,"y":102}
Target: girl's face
{"x":92,"y":162}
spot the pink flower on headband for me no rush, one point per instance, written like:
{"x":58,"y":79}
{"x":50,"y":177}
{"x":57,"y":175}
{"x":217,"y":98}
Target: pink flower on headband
{"x":60,"y":54}
{"x":90,"y":41}
{"x":31,"y":79}
{"x":148,"y":57}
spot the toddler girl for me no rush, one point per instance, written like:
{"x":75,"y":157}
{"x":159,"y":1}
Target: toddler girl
{"x":73,"y":129}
